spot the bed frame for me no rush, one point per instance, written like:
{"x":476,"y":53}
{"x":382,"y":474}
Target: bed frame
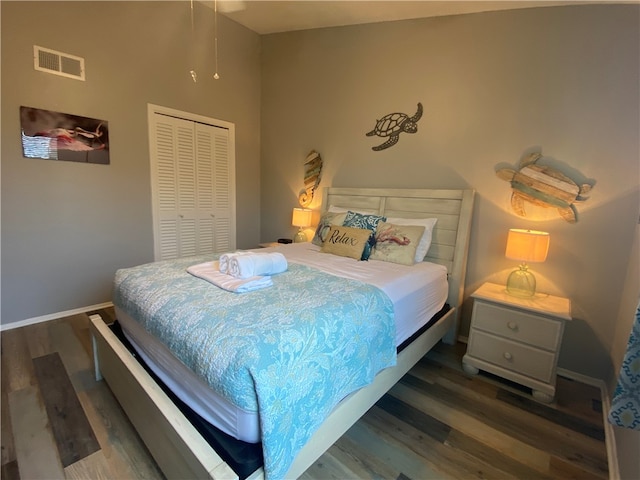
{"x":181,"y":452}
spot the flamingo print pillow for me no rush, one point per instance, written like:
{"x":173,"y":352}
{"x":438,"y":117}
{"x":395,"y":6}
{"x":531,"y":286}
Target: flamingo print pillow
{"x":396,"y":243}
{"x":425,"y":241}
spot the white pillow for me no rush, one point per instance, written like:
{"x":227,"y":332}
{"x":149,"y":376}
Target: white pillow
{"x":425,"y":240}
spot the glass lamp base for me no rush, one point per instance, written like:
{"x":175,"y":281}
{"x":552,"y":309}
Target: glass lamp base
{"x":300,"y":237}
{"x":521,"y":283}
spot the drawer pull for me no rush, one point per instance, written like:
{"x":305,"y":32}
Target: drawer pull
{"x":512,"y":325}
{"x":507,"y":356}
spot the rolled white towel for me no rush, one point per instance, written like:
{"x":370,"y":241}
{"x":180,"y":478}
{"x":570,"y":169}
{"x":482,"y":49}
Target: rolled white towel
{"x":210,"y":272}
{"x":226,"y":257}
{"x":245,"y":266}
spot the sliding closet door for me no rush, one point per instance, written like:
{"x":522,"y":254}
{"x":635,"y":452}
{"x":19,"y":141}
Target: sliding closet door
{"x":193,"y":189}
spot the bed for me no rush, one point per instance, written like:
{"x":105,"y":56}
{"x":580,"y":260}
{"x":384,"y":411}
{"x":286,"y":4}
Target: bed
{"x":180,"y":450}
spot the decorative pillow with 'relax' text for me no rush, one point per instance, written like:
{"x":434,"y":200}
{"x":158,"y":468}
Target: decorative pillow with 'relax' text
{"x":359,"y":220}
{"x":345,"y":241}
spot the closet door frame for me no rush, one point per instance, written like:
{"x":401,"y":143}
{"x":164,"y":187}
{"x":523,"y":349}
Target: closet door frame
{"x":152,"y":110}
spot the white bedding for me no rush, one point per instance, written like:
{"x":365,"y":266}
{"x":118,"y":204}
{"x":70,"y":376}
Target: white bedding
{"x":418,"y":292}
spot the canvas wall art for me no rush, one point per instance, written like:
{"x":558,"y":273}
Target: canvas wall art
{"x":62,"y":136}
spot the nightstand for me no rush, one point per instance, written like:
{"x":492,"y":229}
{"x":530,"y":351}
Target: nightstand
{"x":517,"y":338}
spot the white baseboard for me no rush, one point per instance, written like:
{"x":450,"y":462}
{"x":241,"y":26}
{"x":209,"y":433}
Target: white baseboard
{"x":609,"y":435}
{"x":594,"y":382}
{"x":53,"y":316}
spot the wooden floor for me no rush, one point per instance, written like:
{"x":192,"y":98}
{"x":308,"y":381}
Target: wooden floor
{"x":58,"y":422}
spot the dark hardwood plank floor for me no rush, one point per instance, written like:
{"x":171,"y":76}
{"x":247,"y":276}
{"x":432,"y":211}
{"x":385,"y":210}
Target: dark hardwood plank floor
{"x":436,"y":423}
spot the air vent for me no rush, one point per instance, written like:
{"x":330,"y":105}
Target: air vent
{"x":58,"y":63}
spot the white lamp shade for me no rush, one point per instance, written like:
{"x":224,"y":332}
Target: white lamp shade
{"x":301,"y":217}
{"x":527,"y":245}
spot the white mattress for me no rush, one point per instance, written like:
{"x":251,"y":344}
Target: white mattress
{"x":418,"y":292}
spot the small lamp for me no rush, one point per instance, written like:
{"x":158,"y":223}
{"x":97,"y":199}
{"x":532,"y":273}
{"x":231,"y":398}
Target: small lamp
{"x":302,"y":219}
{"x":526,"y":246}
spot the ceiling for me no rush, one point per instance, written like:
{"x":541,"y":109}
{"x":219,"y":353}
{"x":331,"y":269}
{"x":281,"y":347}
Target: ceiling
{"x":266,"y":16}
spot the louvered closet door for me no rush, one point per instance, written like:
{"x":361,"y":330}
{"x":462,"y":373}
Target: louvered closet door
{"x":214,"y":189}
{"x":164,"y":171}
{"x":193,"y":188}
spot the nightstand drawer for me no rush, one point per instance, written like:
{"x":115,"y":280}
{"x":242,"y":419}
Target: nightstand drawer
{"x":516,"y":325}
{"x":512,"y":356}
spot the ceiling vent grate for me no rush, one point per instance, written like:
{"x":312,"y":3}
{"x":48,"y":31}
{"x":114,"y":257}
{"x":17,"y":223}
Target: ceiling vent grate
{"x":58,"y":63}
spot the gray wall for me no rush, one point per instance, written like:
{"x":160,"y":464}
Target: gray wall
{"x":66,"y":227}
{"x":494,"y":86}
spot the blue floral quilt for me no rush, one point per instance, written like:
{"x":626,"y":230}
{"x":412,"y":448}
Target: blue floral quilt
{"x":290,"y":352}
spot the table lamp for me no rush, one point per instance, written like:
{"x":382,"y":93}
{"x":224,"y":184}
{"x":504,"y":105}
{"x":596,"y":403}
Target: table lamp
{"x":302,"y":219}
{"x":526,"y":246}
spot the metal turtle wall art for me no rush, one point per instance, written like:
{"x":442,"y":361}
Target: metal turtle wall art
{"x":543,"y":186}
{"x":392,"y":125}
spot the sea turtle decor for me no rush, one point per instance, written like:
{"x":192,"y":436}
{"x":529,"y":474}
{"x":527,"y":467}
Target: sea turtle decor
{"x":543,"y":186}
{"x":392,"y":125}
